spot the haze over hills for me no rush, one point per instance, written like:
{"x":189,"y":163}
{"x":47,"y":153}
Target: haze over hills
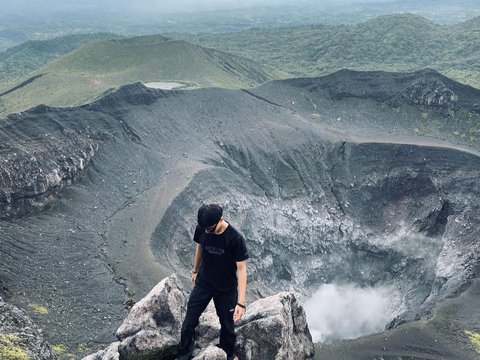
{"x":96,"y":67}
{"x":23,"y":20}
{"x":398,"y":42}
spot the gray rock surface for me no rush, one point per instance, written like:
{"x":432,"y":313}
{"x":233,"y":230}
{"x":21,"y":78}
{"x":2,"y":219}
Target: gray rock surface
{"x":163,"y":306}
{"x":211,"y":353}
{"x":20,"y":338}
{"x":110,"y":353}
{"x":152,"y":328}
{"x":274,"y":328}
{"x":34,"y":172}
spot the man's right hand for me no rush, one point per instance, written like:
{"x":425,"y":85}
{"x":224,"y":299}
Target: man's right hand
{"x":194,"y":277}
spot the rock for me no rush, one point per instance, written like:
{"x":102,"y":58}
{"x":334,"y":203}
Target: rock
{"x":211,"y":353}
{"x":110,"y":353}
{"x":153,"y":325}
{"x":29,"y":183}
{"x":429,"y":92}
{"x":19,"y":336}
{"x":164,"y":306}
{"x":149,"y":344}
{"x":273,"y":328}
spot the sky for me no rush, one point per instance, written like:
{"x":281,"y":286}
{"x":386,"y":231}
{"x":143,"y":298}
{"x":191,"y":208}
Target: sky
{"x":21,"y":6}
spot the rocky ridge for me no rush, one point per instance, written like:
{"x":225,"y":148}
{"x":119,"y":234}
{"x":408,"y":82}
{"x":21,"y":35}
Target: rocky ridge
{"x":272,"y":328}
{"x":35,"y":166}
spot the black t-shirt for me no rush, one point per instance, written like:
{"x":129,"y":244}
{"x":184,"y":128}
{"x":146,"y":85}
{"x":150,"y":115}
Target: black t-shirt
{"x":218,"y":268}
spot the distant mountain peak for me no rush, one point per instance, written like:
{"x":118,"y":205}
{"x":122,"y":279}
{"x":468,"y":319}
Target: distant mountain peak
{"x":143,"y":39}
{"x":398,"y":20}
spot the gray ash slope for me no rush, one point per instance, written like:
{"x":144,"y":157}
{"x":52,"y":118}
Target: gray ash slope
{"x":328,"y":178}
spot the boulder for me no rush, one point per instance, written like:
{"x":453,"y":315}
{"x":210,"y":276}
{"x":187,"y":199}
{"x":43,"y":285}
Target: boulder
{"x":272,"y":328}
{"x":211,"y":353}
{"x":110,"y":353}
{"x":152,"y":328}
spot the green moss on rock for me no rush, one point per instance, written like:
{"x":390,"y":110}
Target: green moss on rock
{"x":11,"y":348}
{"x":474,"y":339}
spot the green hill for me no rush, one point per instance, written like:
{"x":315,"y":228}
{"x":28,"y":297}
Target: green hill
{"x":401,"y":42}
{"x":471,"y":25}
{"x":10,"y":37}
{"x":84,"y":74}
{"x":19,"y":60}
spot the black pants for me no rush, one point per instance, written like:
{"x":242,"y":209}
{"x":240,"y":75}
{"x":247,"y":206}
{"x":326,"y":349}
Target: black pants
{"x":225,"y":306}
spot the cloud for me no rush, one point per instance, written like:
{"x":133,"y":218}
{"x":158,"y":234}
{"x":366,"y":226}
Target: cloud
{"x":337,"y":312}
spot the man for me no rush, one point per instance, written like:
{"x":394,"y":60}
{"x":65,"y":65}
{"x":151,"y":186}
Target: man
{"x":219,"y":273}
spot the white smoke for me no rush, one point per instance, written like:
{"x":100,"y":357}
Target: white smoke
{"x":337,"y":312}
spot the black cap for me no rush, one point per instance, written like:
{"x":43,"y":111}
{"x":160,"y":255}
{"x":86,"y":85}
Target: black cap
{"x":200,"y":215}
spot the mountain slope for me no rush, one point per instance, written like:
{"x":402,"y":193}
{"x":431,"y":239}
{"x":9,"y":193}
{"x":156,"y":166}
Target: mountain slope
{"x":19,"y":60}
{"x":10,"y":37}
{"x":397,"y":42}
{"x":87,"y":72}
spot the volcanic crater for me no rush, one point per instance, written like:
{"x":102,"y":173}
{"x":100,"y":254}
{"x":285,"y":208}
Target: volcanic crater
{"x":335,"y":180}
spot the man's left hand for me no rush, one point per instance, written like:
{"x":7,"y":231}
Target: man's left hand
{"x":239,"y":311}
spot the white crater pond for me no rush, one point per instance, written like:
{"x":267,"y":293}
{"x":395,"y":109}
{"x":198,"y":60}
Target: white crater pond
{"x":166,"y":85}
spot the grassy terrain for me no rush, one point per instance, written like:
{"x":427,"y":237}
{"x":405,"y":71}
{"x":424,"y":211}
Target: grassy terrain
{"x":5,"y":44}
{"x":19,"y":60}
{"x":10,"y":37}
{"x":402,"y":42}
{"x":84,"y":74}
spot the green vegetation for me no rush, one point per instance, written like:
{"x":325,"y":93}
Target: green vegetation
{"x":38,"y":309}
{"x":402,"y":42}
{"x":474,"y":339}
{"x":84,"y":74}
{"x":22,"y":59}
{"x":5,"y":44}
{"x":59,"y":349}
{"x":10,"y":37}
{"x":62,"y":351}
{"x":11,"y":348}
{"x":84,"y":348}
